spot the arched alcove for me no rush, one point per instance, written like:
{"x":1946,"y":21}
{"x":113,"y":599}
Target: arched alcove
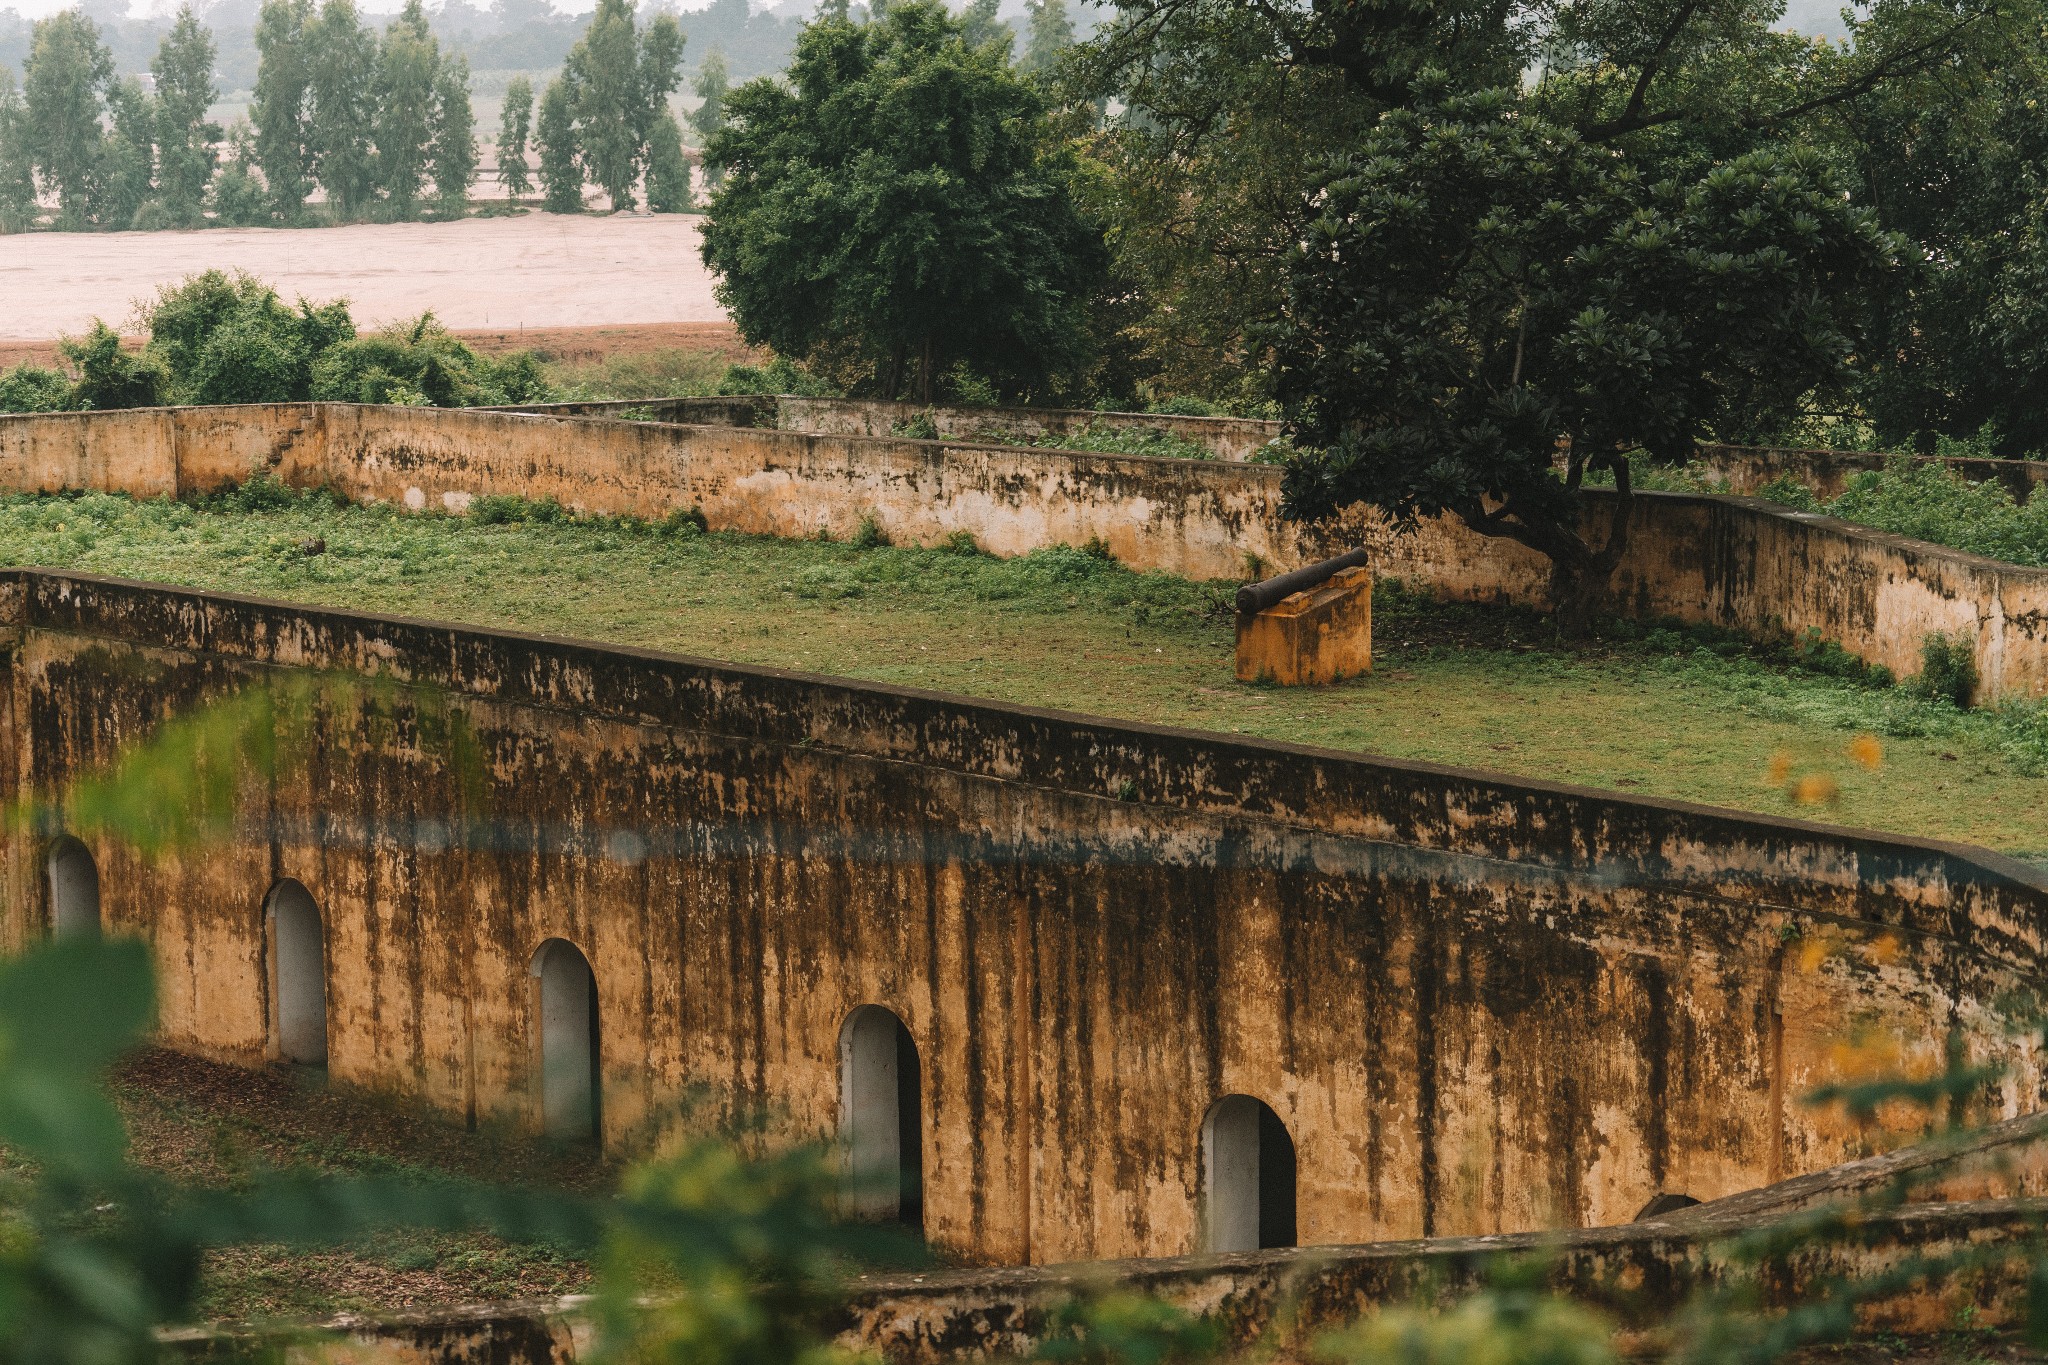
{"x":881,"y":1116}
{"x":74,"y":890}
{"x":1247,"y":1176}
{"x":298,"y":954}
{"x":1667,"y":1202}
{"x":571,"y":1103}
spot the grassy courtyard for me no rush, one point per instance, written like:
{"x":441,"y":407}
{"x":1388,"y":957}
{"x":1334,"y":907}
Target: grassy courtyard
{"x":1671,"y":713}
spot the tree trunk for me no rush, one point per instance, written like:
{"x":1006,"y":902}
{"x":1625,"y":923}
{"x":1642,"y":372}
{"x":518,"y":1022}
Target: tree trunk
{"x":924,"y":371}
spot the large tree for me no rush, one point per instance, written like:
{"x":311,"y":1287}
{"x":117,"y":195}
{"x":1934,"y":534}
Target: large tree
{"x":408,"y":64}
{"x":278,"y":108}
{"x":561,"y":175}
{"x":893,"y":211}
{"x":18,"y":207}
{"x":515,"y":123}
{"x":69,"y":71}
{"x":1483,"y":288}
{"x":342,"y":106}
{"x":451,"y":157}
{"x":618,"y":80}
{"x":127,"y":173}
{"x":186,"y":139}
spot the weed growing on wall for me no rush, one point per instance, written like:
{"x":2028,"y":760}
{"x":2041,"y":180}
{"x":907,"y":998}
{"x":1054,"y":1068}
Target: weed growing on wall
{"x":1109,"y":440}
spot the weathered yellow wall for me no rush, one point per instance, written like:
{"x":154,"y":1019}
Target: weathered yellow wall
{"x":1732,"y":561}
{"x":1478,"y":1004}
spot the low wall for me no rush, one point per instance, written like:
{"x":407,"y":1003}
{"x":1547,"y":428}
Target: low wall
{"x":1639,"y":1275}
{"x":1477,"y":1004}
{"x":1231,"y":438}
{"x":1745,"y":469}
{"x":1735,"y":562}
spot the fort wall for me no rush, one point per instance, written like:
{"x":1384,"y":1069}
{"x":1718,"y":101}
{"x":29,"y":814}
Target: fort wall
{"x":1735,"y":562}
{"x":1476,"y":1004}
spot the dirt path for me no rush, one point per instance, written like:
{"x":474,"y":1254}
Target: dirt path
{"x":540,"y":270}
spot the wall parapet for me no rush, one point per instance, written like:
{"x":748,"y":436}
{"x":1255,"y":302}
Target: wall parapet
{"x":1736,"y":562}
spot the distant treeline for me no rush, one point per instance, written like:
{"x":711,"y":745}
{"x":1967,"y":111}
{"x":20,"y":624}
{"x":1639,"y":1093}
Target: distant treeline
{"x":511,"y":35}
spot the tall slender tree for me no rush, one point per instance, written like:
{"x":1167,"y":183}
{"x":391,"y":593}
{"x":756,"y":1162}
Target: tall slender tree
{"x":708,"y":117}
{"x":515,"y":122}
{"x":279,"y":107}
{"x":68,"y":72}
{"x":1049,"y":32}
{"x":18,"y":207}
{"x":561,"y":170}
{"x":185,"y":139}
{"x":127,"y":174}
{"x":981,"y":25}
{"x":619,"y":80}
{"x":341,"y":105}
{"x":451,"y":157}
{"x":408,"y":63}
{"x":668,"y":172}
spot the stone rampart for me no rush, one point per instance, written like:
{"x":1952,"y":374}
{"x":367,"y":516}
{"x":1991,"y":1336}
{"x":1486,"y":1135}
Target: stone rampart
{"x":1736,"y":562}
{"x":1475,"y":1004}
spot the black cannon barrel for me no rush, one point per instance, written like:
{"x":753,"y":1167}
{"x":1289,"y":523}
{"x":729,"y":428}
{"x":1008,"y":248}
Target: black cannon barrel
{"x":1256,"y":597}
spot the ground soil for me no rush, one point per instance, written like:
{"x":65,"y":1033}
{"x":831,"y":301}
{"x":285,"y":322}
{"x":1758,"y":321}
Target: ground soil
{"x":572,"y":345}
{"x":532,"y":271}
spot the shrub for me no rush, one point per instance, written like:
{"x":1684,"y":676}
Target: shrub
{"x":31,"y":388}
{"x":684,"y":521}
{"x":109,"y":377}
{"x":919,"y":428}
{"x":1948,"y":669}
{"x":777,"y":376}
{"x":419,"y":363}
{"x":1929,"y":501}
{"x":230,"y":339}
{"x":869,"y":535}
{"x":962,"y":543}
{"x":1109,"y":440}
{"x":1787,"y":491}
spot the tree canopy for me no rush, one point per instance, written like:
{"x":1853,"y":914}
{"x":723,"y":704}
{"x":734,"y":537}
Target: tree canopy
{"x":895,"y":213}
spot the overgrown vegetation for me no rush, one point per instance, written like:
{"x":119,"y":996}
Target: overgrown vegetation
{"x":1683,"y":713}
{"x":221,"y":339}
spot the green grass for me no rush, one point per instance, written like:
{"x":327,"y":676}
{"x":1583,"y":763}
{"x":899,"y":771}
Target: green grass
{"x":1662,"y":712}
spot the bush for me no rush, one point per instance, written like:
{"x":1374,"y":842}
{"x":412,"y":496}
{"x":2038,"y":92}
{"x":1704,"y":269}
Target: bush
{"x":1948,"y":669}
{"x":1108,"y":440}
{"x":684,"y":521}
{"x":230,"y":339}
{"x":919,"y":428}
{"x":31,"y":388}
{"x":776,"y":377}
{"x":1929,"y":501}
{"x":1787,"y":491}
{"x":869,"y":535}
{"x":109,"y":377}
{"x":420,"y":363}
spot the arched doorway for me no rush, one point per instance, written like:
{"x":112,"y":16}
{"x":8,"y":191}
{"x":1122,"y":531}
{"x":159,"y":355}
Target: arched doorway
{"x":881,"y":1116}
{"x":571,"y":1103}
{"x":74,"y":890}
{"x":1248,"y":1176}
{"x":298,"y":954}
